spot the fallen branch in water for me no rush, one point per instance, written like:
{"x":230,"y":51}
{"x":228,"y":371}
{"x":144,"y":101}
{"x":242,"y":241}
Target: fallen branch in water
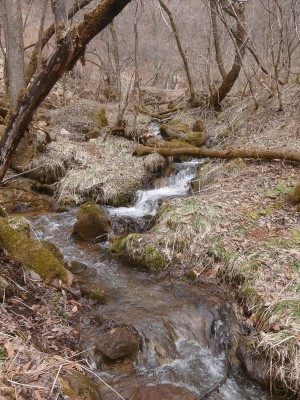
{"x":228,"y":154}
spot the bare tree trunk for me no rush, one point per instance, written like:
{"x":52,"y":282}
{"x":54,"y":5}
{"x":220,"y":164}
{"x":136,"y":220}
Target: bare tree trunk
{"x":40,"y":36}
{"x":71,"y":48}
{"x":181,"y":51}
{"x":60,"y":16}
{"x":13,"y":33}
{"x":237,"y":11}
{"x":216,"y":153}
{"x":31,"y":68}
{"x":214,"y":26}
{"x":116,"y":55}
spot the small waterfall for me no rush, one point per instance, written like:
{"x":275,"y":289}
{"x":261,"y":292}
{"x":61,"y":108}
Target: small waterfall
{"x":148,"y":200}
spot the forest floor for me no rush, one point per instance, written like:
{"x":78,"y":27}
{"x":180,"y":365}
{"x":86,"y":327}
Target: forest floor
{"x":237,"y":227}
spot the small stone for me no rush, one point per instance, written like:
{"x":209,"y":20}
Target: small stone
{"x":162,"y":391}
{"x":118,"y":343}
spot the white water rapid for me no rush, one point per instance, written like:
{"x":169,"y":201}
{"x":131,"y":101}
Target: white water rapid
{"x":148,"y":201}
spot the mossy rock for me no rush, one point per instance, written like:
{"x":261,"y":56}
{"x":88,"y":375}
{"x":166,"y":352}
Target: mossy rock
{"x":94,"y":293}
{"x":54,"y":250}
{"x":99,"y":117}
{"x":93,"y":222}
{"x":31,"y":253}
{"x":179,"y":126}
{"x":76,"y":267}
{"x":138,"y":253}
{"x":20,"y":224}
{"x":175,"y":144}
{"x":197,"y":139}
{"x":294,"y":196}
{"x":77,"y":386}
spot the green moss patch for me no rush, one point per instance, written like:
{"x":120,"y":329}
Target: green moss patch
{"x":139,"y":253}
{"x":31,"y":253}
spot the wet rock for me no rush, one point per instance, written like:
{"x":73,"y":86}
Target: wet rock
{"x":76,"y":267}
{"x":93,"y":292}
{"x":79,"y":386}
{"x":93,"y":222}
{"x":256,"y":365}
{"x":162,"y":392}
{"x":117,"y":343}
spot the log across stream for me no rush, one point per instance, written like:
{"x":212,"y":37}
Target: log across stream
{"x":184,"y":330}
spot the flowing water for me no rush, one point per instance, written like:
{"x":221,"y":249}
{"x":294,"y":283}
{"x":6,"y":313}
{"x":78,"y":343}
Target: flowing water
{"x":148,"y":200}
{"x":179,"y":325}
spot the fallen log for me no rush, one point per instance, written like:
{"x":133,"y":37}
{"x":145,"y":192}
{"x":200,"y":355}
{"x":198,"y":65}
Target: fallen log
{"x":227,"y":154}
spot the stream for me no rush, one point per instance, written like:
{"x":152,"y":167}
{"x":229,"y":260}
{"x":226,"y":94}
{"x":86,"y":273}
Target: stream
{"x":183,"y":329}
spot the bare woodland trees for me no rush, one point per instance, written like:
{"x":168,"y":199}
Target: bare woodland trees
{"x":236,"y":11}
{"x":70,"y":48}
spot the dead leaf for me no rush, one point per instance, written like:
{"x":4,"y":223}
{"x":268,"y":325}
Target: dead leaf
{"x":9,"y":347}
{"x":74,"y":309}
{"x":37,"y":395}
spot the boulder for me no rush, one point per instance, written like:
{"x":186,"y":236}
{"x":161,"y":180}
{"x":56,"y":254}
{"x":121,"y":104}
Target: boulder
{"x":93,"y":222}
{"x":163,"y":391}
{"x":117,"y":343}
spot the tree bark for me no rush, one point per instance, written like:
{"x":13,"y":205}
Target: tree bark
{"x":181,"y":51}
{"x":13,"y":33}
{"x":214,"y":26}
{"x":60,"y":16}
{"x":226,"y":154}
{"x":236,"y":11}
{"x":71,"y":48}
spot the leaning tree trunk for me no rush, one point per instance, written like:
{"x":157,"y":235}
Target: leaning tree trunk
{"x":237,"y":11}
{"x":228,"y":154}
{"x":69,"y":51}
